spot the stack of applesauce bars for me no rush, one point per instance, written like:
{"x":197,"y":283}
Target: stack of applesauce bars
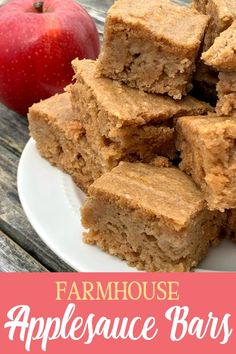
{"x":157,"y":164}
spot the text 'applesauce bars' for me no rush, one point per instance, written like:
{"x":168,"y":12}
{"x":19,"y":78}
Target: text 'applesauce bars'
{"x":61,"y":140}
{"x":208,"y":153}
{"x":152,"y":45}
{"x":154,"y":218}
{"x":122,"y":123}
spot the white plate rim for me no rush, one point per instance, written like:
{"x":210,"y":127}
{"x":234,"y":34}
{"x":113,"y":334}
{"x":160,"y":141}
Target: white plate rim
{"x":40,"y":230}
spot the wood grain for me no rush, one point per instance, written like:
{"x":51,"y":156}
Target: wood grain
{"x":13,"y":137}
{"x":14,"y":259}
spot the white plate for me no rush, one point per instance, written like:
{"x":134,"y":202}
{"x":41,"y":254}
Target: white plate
{"x":52,"y":204}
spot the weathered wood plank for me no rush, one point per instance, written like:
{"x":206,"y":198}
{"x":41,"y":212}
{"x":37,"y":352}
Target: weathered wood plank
{"x":14,"y":259}
{"x":12,"y":218}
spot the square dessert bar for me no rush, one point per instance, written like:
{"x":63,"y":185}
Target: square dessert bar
{"x":122,"y":123}
{"x":154,"y":218}
{"x":226,"y":88}
{"x":200,"y":5}
{"x":152,"y":45}
{"x":61,"y":140}
{"x":207,"y":146}
{"x":222,"y":14}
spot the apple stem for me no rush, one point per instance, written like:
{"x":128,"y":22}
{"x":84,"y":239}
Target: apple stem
{"x":38,"y":5}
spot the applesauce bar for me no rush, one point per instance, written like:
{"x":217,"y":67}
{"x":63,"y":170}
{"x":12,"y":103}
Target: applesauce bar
{"x":61,"y":140}
{"x":205,"y":82}
{"x":152,"y":45}
{"x":122,"y":123}
{"x":153,"y":217}
{"x":221,"y":55}
{"x":207,"y":146}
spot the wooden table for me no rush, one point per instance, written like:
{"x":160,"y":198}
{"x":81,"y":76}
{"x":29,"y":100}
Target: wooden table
{"x":21,"y":249}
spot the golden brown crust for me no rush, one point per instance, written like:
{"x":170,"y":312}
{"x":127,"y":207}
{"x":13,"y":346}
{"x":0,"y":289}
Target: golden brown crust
{"x":230,"y":227}
{"x":226,"y":88}
{"x":164,"y":193}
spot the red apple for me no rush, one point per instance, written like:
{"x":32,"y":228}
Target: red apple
{"x":38,"y":40}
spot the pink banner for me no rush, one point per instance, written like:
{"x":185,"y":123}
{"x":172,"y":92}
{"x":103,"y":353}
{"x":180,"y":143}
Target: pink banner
{"x":117,"y":313}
